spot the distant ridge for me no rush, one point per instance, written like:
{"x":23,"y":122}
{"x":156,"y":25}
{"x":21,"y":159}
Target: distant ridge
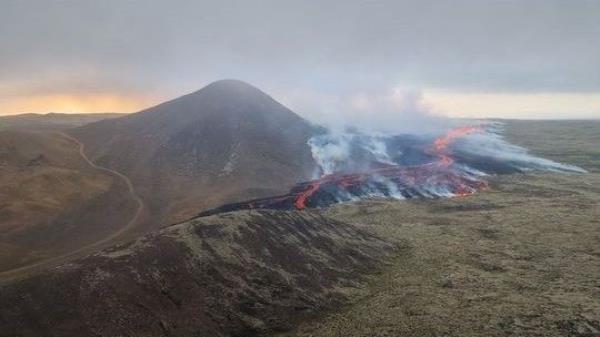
{"x":54,"y":119}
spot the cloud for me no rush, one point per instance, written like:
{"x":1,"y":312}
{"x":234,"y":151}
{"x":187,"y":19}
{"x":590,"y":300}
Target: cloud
{"x":515,"y":105}
{"x":336,"y":47}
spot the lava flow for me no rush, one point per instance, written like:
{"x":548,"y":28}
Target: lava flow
{"x":437,"y":178}
{"x":442,"y":144}
{"x":408,"y":177}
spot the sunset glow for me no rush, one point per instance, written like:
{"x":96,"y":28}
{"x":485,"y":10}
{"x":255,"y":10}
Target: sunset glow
{"x":75,"y":103}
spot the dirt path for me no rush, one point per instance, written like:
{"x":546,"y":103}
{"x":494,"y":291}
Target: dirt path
{"x":17,"y":273}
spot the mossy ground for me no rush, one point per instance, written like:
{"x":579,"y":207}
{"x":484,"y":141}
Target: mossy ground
{"x":519,"y":259}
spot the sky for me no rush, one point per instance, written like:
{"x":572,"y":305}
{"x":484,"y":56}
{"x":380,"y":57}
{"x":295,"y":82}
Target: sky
{"x":326,"y":60}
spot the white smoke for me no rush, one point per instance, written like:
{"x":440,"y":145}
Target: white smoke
{"x":491,"y":144}
{"x":362,"y":126}
{"x":482,"y":153}
{"x":350,"y":151}
{"x":330,"y":149}
{"x":390,"y":111}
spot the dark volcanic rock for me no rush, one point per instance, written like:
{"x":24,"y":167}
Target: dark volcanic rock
{"x":237,"y":274}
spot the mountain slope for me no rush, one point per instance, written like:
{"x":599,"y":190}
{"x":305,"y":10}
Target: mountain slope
{"x":226,"y":142}
{"x":236,"y":274}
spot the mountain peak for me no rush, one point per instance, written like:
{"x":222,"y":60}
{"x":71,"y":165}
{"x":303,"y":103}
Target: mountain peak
{"x":230,"y":83}
{"x":229,"y":87}
{"x":226,"y":142}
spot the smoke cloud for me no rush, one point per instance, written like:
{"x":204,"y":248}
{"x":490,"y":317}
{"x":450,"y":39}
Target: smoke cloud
{"x":490,"y":146}
{"x":394,"y":111}
{"x":482,"y":152}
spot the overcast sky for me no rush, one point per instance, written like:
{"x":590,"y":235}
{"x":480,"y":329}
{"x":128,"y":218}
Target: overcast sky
{"x":527,"y":59}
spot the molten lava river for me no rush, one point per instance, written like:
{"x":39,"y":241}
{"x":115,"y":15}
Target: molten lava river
{"x":355,"y":166}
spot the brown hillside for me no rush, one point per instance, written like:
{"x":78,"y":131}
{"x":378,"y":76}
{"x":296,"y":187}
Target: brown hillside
{"x":51,"y":200}
{"x":226,"y":142}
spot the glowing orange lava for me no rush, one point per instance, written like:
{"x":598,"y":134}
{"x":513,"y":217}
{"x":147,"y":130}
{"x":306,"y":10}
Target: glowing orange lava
{"x":432,"y":179}
{"x":301,"y":199}
{"x":442,"y":144}
{"x":408,"y":175}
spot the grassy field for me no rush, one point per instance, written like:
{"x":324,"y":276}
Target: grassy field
{"x":520,"y":259}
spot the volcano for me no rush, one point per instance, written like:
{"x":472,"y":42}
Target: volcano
{"x":231,"y":144}
{"x":227,"y":142}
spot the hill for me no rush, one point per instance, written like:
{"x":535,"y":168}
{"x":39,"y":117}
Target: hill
{"x":226,"y":142}
{"x":236,"y":274}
